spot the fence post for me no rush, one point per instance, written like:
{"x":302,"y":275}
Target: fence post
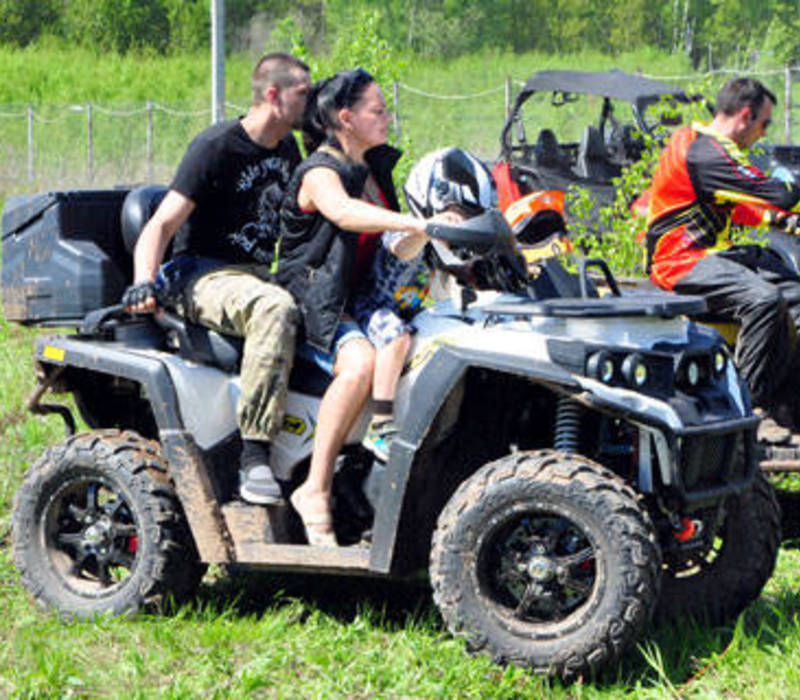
{"x":508,"y":95}
{"x":90,"y":140}
{"x":396,"y":111}
{"x":31,"y":171}
{"x":149,"y":141}
{"x":787,"y":104}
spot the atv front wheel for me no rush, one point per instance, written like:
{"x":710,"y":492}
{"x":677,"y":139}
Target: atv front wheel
{"x":721,"y":579}
{"x":97,"y":528}
{"x":546,"y":560}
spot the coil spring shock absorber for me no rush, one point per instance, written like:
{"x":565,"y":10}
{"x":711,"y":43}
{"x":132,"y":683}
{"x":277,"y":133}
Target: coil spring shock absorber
{"x":568,"y":425}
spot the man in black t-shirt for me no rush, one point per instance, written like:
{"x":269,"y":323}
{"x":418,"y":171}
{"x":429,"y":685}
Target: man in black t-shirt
{"x":222,"y":210}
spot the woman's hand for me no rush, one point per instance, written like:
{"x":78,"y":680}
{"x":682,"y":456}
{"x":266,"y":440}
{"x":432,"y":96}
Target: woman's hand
{"x":416,"y":236}
{"x":451,"y":218}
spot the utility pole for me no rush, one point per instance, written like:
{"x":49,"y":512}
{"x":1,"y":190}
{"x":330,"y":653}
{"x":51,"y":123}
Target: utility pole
{"x":217,"y":61}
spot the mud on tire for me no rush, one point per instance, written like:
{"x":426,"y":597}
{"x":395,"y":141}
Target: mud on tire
{"x":725,"y":578}
{"x":545,"y":560}
{"x":97,"y":528}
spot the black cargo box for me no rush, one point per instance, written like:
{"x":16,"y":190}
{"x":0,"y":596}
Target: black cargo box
{"x":63,"y":255}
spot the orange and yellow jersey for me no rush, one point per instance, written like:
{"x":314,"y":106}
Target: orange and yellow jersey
{"x":702,"y":182}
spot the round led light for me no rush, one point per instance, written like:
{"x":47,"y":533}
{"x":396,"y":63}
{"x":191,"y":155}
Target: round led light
{"x":635,"y":371}
{"x":693,"y":373}
{"x":720,"y":361}
{"x":601,"y":366}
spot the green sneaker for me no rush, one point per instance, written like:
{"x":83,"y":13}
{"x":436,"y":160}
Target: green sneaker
{"x":379,"y":438}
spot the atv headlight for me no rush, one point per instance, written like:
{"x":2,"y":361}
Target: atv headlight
{"x":691,"y":374}
{"x":635,"y":371}
{"x":601,"y":366}
{"x":720,"y":361}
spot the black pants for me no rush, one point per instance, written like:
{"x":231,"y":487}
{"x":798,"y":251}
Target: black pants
{"x":753,"y":286}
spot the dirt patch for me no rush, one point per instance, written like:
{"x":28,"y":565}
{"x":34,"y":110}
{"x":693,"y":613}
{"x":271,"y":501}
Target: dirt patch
{"x":12,"y":418}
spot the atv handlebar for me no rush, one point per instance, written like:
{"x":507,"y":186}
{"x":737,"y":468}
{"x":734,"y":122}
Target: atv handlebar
{"x":480,"y":234}
{"x":93,"y":321}
{"x":481,"y":252}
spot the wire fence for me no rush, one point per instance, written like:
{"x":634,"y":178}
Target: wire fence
{"x":92,"y":145}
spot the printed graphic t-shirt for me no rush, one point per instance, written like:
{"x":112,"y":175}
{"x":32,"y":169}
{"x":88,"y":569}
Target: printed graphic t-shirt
{"x":400,"y":286}
{"x":236,"y":185}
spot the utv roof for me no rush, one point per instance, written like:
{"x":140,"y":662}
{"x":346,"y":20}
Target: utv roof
{"x":614,"y":84}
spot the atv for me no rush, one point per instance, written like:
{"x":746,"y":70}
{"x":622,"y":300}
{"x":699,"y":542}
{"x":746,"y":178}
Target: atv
{"x":567,"y":465}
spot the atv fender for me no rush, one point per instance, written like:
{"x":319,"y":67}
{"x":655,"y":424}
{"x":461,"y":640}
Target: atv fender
{"x":436,"y":382}
{"x":187,"y":466}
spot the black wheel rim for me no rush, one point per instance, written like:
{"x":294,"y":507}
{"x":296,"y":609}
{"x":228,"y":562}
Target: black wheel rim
{"x":91,"y":535}
{"x":538,"y":567}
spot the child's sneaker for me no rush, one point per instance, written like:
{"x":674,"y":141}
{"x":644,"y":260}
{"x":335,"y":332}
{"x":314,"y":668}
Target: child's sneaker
{"x":379,"y":438}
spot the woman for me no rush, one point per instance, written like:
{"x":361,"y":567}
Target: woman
{"x":338,"y":202}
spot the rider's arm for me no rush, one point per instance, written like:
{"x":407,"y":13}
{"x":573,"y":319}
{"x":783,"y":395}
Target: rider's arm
{"x":728,"y":177}
{"x":322,"y":191}
{"x":173,"y":211}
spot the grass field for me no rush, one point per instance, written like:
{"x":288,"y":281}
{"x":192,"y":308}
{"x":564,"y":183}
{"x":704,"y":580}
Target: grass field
{"x":459,"y":102}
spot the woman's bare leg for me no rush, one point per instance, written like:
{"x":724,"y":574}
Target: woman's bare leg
{"x":340,"y":406}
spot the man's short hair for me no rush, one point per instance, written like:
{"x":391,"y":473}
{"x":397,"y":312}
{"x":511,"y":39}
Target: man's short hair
{"x":739,"y":93}
{"x":278,"y":69}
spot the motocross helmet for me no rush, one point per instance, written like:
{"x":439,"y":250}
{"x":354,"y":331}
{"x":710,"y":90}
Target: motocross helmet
{"x":450,"y":177}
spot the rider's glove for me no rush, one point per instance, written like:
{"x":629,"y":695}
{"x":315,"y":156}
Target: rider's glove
{"x":789,"y":223}
{"x":138,"y":294}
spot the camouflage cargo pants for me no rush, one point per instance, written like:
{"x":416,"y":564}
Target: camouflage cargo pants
{"x":238,"y":301}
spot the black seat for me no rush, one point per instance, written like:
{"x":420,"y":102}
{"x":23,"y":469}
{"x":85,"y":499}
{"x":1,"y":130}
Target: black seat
{"x":547,"y":152}
{"x":593,"y":160}
{"x":139,"y":205}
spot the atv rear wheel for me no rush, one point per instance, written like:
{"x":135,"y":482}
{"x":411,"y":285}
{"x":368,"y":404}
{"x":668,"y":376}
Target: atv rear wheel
{"x":546,"y":560}
{"x":97,"y":528}
{"x":722,"y":579}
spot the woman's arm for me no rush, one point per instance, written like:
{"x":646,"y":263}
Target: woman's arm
{"x":322,"y":191}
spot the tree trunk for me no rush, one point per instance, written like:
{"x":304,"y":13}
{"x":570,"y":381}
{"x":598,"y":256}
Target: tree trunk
{"x":688,"y":29}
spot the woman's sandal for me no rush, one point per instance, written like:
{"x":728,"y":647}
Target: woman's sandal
{"x":315,"y":538}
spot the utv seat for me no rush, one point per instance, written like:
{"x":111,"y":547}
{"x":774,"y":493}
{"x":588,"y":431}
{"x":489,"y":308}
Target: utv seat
{"x":593,"y":159}
{"x":196,"y":342}
{"x":547,"y":152}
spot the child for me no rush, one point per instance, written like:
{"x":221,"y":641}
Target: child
{"x":448,"y":182}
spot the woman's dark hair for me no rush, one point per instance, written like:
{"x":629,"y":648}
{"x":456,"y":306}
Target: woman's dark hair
{"x":325,"y":99}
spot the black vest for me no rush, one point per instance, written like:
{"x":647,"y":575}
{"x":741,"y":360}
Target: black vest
{"x":316,"y":257}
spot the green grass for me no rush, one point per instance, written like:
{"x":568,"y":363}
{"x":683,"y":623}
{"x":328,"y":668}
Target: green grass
{"x":59,"y":81}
